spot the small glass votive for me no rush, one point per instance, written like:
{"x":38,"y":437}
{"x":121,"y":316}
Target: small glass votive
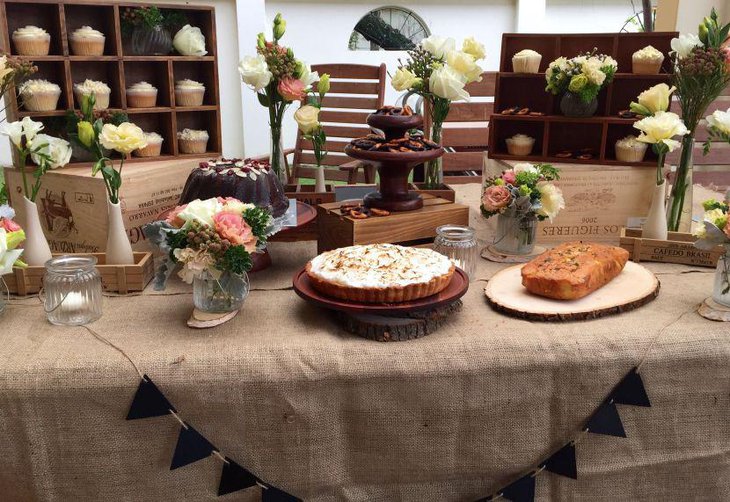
{"x":72,"y":290}
{"x":458,"y":243}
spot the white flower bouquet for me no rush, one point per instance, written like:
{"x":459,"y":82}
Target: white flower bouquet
{"x":584,"y":75}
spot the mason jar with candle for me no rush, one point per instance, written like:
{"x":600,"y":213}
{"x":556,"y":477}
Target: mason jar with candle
{"x":458,"y":243}
{"x":72,"y":291}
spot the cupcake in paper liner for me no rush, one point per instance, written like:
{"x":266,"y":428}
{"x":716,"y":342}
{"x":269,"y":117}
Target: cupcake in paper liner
{"x":99,"y":90}
{"x":32,"y":41}
{"x":192,"y":141}
{"x":39,"y":95}
{"x":520,"y":145}
{"x":86,"y":41}
{"x":647,"y":61}
{"x":630,"y":150}
{"x":526,"y":61}
{"x":189,"y":93}
{"x":142,"y":95}
{"x":153,"y":148}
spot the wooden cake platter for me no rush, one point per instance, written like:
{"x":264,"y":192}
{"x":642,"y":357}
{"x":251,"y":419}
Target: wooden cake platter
{"x":386,"y":322}
{"x":634,"y":287}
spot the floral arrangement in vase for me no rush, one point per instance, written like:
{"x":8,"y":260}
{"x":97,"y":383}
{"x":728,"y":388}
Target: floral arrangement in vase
{"x":278,"y":79}
{"x":715,"y":231}
{"x":149,"y":28}
{"x":307,"y":118}
{"x":520,"y":197}
{"x":701,"y":65}
{"x":98,"y":138}
{"x":579,"y":80}
{"x":438,"y":72}
{"x":213,"y":240}
{"x":46,"y":152}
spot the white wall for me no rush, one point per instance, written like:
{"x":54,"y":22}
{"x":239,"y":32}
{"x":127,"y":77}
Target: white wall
{"x":691,"y":12}
{"x":587,"y":16}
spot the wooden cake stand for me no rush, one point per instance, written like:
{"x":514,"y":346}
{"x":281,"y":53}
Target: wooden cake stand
{"x":634,"y":287}
{"x":387,"y":322}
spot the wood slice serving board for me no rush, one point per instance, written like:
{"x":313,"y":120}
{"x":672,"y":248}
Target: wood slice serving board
{"x":634,"y":287}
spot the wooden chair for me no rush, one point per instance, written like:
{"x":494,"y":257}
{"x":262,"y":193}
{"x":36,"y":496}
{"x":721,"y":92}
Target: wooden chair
{"x":466,"y":132}
{"x":356,"y":91}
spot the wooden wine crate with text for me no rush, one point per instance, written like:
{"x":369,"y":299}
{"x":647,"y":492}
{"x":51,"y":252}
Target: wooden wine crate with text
{"x":678,"y":248}
{"x":338,"y":230}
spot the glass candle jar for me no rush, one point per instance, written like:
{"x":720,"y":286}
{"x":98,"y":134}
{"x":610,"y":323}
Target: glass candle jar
{"x":458,"y":243}
{"x":72,"y":290}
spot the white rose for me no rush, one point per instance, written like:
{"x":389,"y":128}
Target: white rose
{"x":189,"y":41}
{"x":683,"y":45}
{"x":27,"y":128}
{"x":661,"y":128}
{"x":719,"y":121}
{"x":308,"y":76}
{"x":254,"y":72}
{"x":236,"y":206}
{"x":307,"y":117}
{"x":57,"y":149}
{"x":592,"y":70}
{"x":465,"y":64}
{"x":438,"y":46}
{"x":474,"y":48}
{"x":201,"y":211}
{"x":524,"y":167}
{"x":4,"y":69}
{"x":404,"y":79}
{"x":447,"y":83}
{"x":656,"y":99}
{"x":124,"y":138}
{"x":551,"y":200}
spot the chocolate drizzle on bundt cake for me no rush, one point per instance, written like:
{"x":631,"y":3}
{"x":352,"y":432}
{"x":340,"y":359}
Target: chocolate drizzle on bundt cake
{"x":247,"y":180}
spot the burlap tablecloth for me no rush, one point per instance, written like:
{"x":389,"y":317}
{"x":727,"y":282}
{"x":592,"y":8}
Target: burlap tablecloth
{"x":329,"y":416}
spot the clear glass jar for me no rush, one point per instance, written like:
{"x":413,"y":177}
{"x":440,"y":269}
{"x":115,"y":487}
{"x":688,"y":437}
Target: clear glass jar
{"x":72,"y":290}
{"x":459,"y":244}
{"x":225,"y":294}
{"x":515,"y":234}
{"x":721,"y":290}
{"x":4,"y":295}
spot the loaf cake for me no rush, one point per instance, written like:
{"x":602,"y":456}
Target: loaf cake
{"x":573,"y":270}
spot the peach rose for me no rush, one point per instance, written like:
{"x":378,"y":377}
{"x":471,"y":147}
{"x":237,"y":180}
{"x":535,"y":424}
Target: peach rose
{"x":233,"y":227}
{"x":496,"y":197}
{"x":727,"y":229}
{"x":173,"y":219}
{"x":291,"y":89}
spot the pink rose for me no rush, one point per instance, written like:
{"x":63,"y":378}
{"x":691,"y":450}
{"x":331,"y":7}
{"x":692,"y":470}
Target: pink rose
{"x":172,"y":218}
{"x":509,"y":177}
{"x":233,"y":227}
{"x":291,"y":89}
{"x":727,"y":229}
{"x":9,"y":225}
{"x":496,"y":197}
{"x":726,"y":50}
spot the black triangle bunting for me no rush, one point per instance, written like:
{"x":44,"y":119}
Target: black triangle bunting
{"x":631,"y":391}
{"x":191,"y":447}
{"x":562,"y":462}
{"x":234,"y":478}
{"x":606,"y":420}
{"x":522,"y":490}
{"x":149,"y":401}
{"x":272,"y":494}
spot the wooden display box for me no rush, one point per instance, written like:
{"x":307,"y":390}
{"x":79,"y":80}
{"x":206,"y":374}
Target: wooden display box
{"x":337,"y":230}
{"x":554,"y":132}
{"x":118,"y":68}
{"x":116,"y":278}
{"x":678,"y":248}
{"x":73,"y":207}
{"x":443,"y":192}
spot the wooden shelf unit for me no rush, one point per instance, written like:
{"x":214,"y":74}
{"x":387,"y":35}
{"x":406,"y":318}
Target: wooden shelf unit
{"x":554,"y":132}
{"x":118,"y":68}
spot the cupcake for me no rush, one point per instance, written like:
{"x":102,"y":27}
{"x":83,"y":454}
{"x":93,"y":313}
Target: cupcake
{"x":32,"y":41}
{"x":100,"y":90}
{"x":86,"y":41}
{"x":39,"y":95}
{"x":526,"y":61}
{"x":647,"y":61}
{"x":520,"y":145}
{"x":192,"y":141}
{"x":153,"y":148}
{"x":142,"y":95}
{"x":630,"y":149}
{"x":189,"y":93}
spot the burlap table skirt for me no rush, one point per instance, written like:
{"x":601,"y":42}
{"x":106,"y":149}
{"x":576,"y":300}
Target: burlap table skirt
{"x":329,"y":416}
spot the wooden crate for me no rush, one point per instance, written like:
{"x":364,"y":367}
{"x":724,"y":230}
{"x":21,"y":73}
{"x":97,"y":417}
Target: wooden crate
{"x":115,"y":278}
{"x":337,"y":230}
{"x":118,"y":68}
{"x":678,"y":248}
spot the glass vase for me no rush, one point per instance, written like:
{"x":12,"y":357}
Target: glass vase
{"x":434,"y":168}
{"x":4,"y":295}
{"x":721,"y":290}
{"x":276,"y":156}
{"x":515,"y":233}
{"x":571,"y":105}
{"x":224,"y":294}
{"x":72,"y":292}
{"x":155,"y":41}
{"x":679,"y":205}
{"x":459,"y":244}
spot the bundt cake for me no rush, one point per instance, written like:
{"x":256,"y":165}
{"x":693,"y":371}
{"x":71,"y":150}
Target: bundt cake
{"x":246,"y":180}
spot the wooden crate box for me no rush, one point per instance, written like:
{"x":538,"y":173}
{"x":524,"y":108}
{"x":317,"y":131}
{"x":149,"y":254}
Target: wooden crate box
{"x":678,"y":248}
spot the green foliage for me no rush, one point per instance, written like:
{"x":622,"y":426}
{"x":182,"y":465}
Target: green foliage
{"x":151,"y":16}
{"x":527,"y":178}
{"x":259,"y":220}
{"x":176,"y":240}
{"x":236,"y":259}
{"x":3,"y":188}
{"x":548,"y":171}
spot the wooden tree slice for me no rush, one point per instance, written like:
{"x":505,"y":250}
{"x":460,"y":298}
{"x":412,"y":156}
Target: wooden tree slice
{"x":406,"y":326}
{"x":201,"y":320}
{"x":634,"y":287}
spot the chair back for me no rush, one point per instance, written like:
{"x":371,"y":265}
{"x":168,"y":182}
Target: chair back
{"x":355,"y":92}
